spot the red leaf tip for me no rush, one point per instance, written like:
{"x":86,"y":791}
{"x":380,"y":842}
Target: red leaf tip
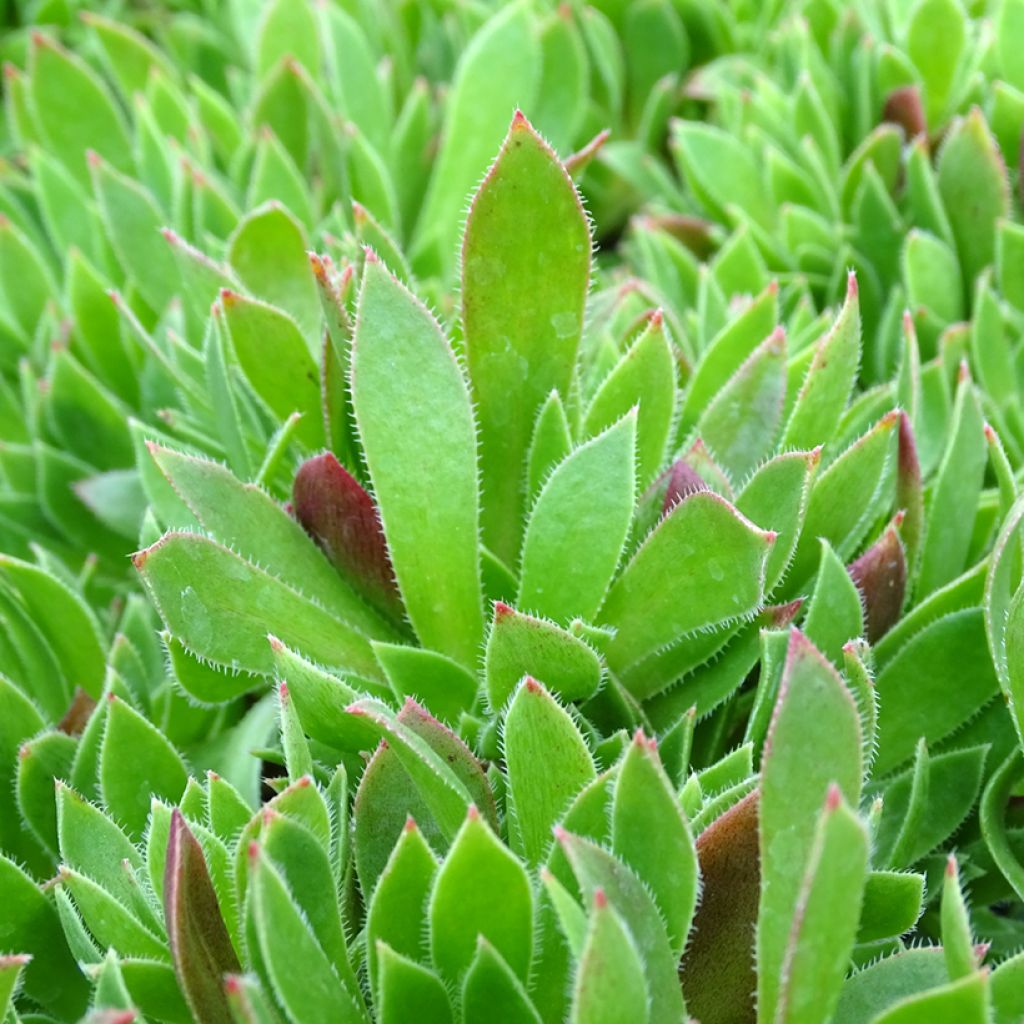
{"x":282,"y":692}
{"x":990,"y":434}
{"x":639,"y":738}
{"x":657,"y":318}
{"x":93,"y":158}
{"x":253,"y":851}
{"x":834,"y":798}
{"x":228,"y":298}
{"x":532,"y":686}
{"x":232,"y":985}
{"x":519,"y":122}
{"x":472,"y":814}
{"x":502,"y":610}
{"x":275,"y":645}
{"x":370,"y":255}
{"x":600,"y":899}
{"x":951,"y":866}
{"x":410,"y":824}
{"x":851,"y":284}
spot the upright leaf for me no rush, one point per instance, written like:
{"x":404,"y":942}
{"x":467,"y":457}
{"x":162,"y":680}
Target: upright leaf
{"x":422,"y":462}
{"x":548,"y":763}
{"x":814,"y":741}
{"x":521,"y":321}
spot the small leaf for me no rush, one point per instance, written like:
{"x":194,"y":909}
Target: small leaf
{"x":547,"y":762}
{"x":718,"y":973}
{"x":578,"y":527}
{"x":609,"y":983}
{"x":443,"y":792}
{"x":650,"y":834}
{"x":957,"y":938}
{"x":847,"y":498}
{"x":883,"y":983}
{"x":492,"y":991}
{"x":133,"y":221}
{"x":880,"y":575}
{"x":892,"y":905}
{"x":954,"y":495}
{"x":397,"y":915}
{"x":422,"y":461}
{"x":644,"y":377}
{"x":500,"y":67}
{"x":596,"y":869}
{"x":200,"y":945}
{"x":834,"y":613}
{"x":960,"y":1002}
{"x":441,"y":684}
{"x":922,"y":692}
{"x":741,"y":424}
{"x":157,"y":768}
{"x":409,"y":991}
{"x":520,"y":645}
{"x":285,"y":280}
{"x":481,"y":889}
{"x":75,"y":111}
{"x":276,"y":361}
{"x":721,"y":171}
{"x":550,"y":443}
{"x":830,"y":378}
{"x":974,"y":187}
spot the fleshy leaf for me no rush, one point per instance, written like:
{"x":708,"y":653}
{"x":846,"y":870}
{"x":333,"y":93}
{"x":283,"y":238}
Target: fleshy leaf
{"x":492,"y":991}
{"x":522,"y":324}
{"x":578,"y":526}
{"x":703,"y":564}
{"x":481,"y":889}
{"x":825,"y":921}
{"x":206,"y":595}
{"x":610,"y":984}
{"x":397,"y":913}
{"x":651,"y":835}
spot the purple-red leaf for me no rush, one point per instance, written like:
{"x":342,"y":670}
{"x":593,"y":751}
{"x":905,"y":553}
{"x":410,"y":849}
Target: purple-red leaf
{"x":342,"y":518}
{"x":881,"y":577}
{"x":903,"y":107}
{"x":200,"y":945}
{"x":718,"y":973}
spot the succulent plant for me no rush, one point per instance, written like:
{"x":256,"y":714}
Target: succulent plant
{"x":520,"y":625}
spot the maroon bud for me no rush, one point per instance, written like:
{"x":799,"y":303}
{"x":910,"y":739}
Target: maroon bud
{"x":342,"y":518}
{"x":881,"y":577}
